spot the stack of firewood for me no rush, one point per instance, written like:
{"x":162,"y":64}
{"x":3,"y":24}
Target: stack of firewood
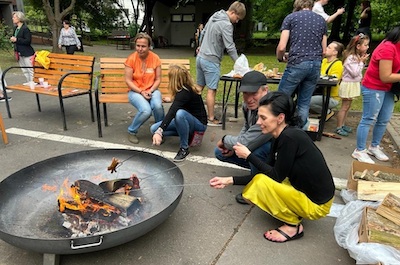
{"x":383,"y":224}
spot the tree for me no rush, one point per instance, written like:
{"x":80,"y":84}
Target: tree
{"x":55,"y":17}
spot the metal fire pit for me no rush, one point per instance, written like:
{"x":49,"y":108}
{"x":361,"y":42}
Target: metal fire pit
{"x":29,"y":213}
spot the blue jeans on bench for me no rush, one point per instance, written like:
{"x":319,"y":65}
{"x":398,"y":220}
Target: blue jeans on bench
{"x":145,"y":108}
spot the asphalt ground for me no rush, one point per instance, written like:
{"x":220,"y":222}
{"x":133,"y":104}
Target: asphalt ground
{"x":208,"y":226}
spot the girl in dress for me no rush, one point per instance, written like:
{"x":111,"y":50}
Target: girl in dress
{"x":354,"y":59}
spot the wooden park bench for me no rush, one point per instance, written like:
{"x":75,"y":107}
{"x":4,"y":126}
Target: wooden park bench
{"x":67,"y":76}
{"x":121,"y":37}
{"x":110,"y":85}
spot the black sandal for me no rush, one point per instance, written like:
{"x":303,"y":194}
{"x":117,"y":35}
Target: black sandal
{"x":288,"y":238}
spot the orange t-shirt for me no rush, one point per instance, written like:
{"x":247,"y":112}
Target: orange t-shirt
{"x":143,"y":79}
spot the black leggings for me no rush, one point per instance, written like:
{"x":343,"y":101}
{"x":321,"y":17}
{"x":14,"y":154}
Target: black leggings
{"x":71,"y":49}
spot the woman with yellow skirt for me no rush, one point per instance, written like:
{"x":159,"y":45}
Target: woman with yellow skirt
{"x":297,"y":183}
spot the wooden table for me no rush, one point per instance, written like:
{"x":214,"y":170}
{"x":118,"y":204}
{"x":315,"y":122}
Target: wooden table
{"x":323,"y":84}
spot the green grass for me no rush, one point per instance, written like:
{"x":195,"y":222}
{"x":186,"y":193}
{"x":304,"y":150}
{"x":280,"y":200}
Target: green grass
{"x":265,"y":55}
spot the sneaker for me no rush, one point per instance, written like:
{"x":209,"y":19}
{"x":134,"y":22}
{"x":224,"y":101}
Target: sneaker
{"x":377,"y":152}
{"x":214,"y":122}
{"x":362,"y":156}
{"x":341,"y":131}
{"x":329,"y":115}
{"x":182,"y":154}
{"x":3,"y":99}
{"x":347,"y":129}
{"x":133,"y":138}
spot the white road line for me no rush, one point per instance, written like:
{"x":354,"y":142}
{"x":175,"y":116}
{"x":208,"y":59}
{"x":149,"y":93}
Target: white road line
{"x":339,"y":183}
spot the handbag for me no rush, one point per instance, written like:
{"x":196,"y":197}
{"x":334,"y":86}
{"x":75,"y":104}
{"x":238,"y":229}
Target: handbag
{"x":16,"y":54}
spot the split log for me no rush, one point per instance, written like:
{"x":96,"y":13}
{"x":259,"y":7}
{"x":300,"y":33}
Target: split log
{"x":377,"y":229}
{"x":375,"y":191}
{"x":377,"y":176}
{"x":390,"y":208}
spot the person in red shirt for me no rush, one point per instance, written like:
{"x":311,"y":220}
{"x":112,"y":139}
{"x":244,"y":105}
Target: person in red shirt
{"x":143,"y":76}
{"x":378,"y":100}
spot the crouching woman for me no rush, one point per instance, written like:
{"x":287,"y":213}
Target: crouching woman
{"x":297,"y":183}
{"x":187,"y":114}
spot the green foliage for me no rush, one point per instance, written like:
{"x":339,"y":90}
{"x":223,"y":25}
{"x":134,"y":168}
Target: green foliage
{"x":385,"y":14}
{"x":5,"y":35}
{"x":133,"y":29}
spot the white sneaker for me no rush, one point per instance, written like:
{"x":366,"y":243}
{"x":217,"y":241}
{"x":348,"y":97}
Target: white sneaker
{"x":377,"y":152}
{"x":362,"y":156}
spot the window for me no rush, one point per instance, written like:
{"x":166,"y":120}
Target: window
{"x":182,"y":17}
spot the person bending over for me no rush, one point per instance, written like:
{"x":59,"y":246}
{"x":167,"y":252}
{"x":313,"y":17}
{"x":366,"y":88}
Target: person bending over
{"x":297,"y":183}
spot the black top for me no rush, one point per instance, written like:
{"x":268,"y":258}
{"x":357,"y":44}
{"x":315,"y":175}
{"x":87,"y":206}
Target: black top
{"x":365,"y":22}
{"x":294,"y":155}
{"x":23,"y":43}
{"x":189,"y":101}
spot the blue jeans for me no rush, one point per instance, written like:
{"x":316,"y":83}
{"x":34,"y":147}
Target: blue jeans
{"x":262,"y":152}
{"x":144,"y":109}
{"x":377,"y":111}
{"x":303,"y":77}
{"x":183,"y":125}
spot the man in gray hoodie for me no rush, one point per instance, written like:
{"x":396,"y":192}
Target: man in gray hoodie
{"x":216,"y":36}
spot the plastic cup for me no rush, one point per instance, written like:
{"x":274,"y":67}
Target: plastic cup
{"x":32,"y":85}
{"x":41,"y":81}
{"x":275,"y":71}
{"x":45,"y":84}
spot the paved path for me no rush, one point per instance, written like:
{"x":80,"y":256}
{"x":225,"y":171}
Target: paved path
{"x":208,"y":226}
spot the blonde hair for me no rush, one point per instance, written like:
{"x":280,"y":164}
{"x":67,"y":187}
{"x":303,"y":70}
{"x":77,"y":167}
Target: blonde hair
{"x":20,"y":16}
{"x":180,"y":78}
{"x":301,"y":4}
{"x":239,"y":9}
{"x":143,"y":35}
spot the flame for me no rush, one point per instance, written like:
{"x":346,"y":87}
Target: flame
{"x":77,"y":200}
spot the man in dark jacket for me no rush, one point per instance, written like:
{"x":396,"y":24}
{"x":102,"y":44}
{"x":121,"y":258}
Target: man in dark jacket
{"x":253,"y":86}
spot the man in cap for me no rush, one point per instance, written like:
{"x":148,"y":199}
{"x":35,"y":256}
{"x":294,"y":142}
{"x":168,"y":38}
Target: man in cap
{"x":253,"y":86}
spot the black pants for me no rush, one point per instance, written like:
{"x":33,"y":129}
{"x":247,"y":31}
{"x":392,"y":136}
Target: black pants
{"x":71,"y":49}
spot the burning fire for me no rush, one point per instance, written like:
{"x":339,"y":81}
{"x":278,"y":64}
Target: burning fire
{"x":73,"y":199}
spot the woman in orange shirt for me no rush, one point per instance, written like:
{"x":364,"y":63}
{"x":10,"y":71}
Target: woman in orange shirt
{"x":143,"y":76}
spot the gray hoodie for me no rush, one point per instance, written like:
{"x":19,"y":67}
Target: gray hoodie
{"x":217,"y":36}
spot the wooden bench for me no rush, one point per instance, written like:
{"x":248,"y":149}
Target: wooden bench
{"x":110,"y":86}
{"x":120,"y":37}
{"x":68,"y":76}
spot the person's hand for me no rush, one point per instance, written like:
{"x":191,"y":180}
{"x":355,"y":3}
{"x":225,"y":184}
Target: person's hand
{"x":13,"y":39}
{"x":157,"y":139}
{"x":340,"y":11}
{"x":364,"y":57}
{"x":220,"y":182}
{"x":367,"y":9}
{"x":59,"y":46}
{"x":145,"y":94}
{"x":227,"y":153}
{"x":79,"y":47}
{"x":241,"y":151}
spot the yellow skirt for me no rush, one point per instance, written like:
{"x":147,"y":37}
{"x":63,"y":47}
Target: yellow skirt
{"x":283,"y":201}
{"x":349,"y":89}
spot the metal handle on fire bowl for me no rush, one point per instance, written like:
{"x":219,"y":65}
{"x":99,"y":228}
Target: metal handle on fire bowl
{"x":87,"y":245}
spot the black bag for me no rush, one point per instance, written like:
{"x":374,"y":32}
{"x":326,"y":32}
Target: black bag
{"x":395,"y":89}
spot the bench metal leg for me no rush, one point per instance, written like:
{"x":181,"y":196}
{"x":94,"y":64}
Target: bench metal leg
{"x":98,"y":115}
{"x":63,"y":113}
{"x":105,"y":114}
{"x":91,"y":106}
{"x":38,"y":102}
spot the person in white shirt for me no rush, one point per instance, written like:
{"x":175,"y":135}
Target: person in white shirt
{"x":319,"y":9}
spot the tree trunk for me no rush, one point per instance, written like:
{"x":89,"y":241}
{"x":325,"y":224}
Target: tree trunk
{"x":55,"y":18}
{"x":336,"y":24}
{"x":349,"y":26}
